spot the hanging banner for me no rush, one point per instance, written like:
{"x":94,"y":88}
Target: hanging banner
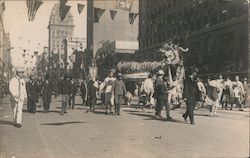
{"x":97,"y":14}
{"x":125,"y":5}
{"x":37,"y":4}
{"x":33,"y":6}
{"x":113,"y":14}
{"x":63,"y":11}
{"x":80,"y":8}
{"x":132,"y":17}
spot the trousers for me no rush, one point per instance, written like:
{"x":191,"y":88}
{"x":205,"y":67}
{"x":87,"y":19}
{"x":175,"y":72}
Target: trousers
{"x":160,"y":104}
{"x":72,"y":99}
{"x":17,"y":108}
{"x":65,"y":101}
{"x":190,"y":112}
{"x":118,"y":100}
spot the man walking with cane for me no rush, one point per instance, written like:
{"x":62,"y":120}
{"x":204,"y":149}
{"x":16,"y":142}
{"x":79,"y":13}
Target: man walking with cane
{"x":18,"y":95}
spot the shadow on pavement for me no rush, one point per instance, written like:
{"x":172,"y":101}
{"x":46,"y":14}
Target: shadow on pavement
{"x":63,"y":123}
{"x":201,"y":115}
{"x":41,"y":111}
{"x":51,"y":111}
{"x":153,"y":117}
{"x":6,"y":122}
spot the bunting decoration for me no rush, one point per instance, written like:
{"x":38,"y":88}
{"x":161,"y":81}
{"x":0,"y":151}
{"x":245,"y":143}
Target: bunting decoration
{"x":63,"y":11}
{"x":33,"y":6}
{"x":80,"y":8}
{"x":97,"y":14}
{"x":125,"y":5}
{"x":113,"y":14}
{"x":63,"y":2}
{"x":132,"y":17}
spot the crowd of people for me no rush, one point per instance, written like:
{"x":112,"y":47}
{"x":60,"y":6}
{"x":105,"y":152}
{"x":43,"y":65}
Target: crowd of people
{"x":159,"y":90}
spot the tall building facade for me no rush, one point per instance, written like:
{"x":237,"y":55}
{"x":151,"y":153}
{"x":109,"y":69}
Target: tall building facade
{"x":59,"y":31}
{"x":216,"y":31}
{"x":7,"y":61}
{"x":107,"y":29}
{"x":2,"y":8}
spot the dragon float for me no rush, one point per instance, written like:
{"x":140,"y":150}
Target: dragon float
{"x":172,"y":60}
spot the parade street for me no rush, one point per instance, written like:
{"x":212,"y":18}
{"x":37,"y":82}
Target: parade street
{"x":134,"y":134}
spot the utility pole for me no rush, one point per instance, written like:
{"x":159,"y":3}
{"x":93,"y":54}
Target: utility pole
{"x":65,"y":54}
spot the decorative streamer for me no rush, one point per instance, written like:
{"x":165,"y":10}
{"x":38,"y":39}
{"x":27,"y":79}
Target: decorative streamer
{"x":80,"y":8}
{"x":113,"y":14}
{"x":98,"y":12}
{"x":132,"y":17}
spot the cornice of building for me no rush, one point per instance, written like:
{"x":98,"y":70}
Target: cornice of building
{"x":61,"y":25}
{"x":220,"y":26}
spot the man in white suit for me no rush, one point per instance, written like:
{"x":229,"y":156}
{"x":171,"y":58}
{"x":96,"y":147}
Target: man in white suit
{"x":18,"y":95}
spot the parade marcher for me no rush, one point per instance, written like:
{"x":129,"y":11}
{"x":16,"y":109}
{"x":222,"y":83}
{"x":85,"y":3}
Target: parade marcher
{"x":161,"y":95}
{"x":73,"y":91}
{"x":119,"y":90}
{"x":91,"y":100}
{"x":106,"y":80}
{"x":32,"y":94}
{"x":226,"y":94}
{"x":18,"y":93}
{"x":47,"y":92}
{"x":107,"y":99}
{"x":245,"y":95}
{"x":220,"y":86}
{"x":39,"y":91}
{"x":191,"y":95}
{"x":83,"y":92}
{"x":148,"y":89}
{"x":213,"y":96}
{"x":158,"y":86}
{"x":203,"y":93}
{"x":65,"y":91}
{"x":172,"y":93}
{"x":238,"y":91}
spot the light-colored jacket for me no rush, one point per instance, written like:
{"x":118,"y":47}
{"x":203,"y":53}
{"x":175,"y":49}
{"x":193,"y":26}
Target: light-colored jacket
{"x":17,"y":89}
{"x":148,"y":86}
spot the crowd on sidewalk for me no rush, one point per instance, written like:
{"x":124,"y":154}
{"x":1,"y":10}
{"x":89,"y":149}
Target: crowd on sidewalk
{"x":158,"y":90}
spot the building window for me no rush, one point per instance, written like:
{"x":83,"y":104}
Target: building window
{"x":198,"y":24}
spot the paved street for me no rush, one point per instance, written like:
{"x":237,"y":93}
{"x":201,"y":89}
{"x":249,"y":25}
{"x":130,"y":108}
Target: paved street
{"x":134,"y":134}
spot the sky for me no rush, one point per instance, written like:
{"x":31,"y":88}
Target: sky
{"x":34,"y":35}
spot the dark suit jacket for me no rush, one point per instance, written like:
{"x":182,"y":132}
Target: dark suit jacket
{"x":32,"y":90}
{"x":161,"y":89}
{"x":119,"y":87}
{"x":66,"y":87}
{"x":73,"y":89}
{"x":191,"y":91}
{"x":47,"y":89}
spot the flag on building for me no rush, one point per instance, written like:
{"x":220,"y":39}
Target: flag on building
{"x":113,"y":14}
{"x":80,"y":7}
{"x":132,"y":17}
{"x":63,"y":11}
{"x":98,"y":12}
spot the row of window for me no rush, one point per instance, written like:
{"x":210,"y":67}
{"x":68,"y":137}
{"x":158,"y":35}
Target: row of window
{"x":173,"y":25}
